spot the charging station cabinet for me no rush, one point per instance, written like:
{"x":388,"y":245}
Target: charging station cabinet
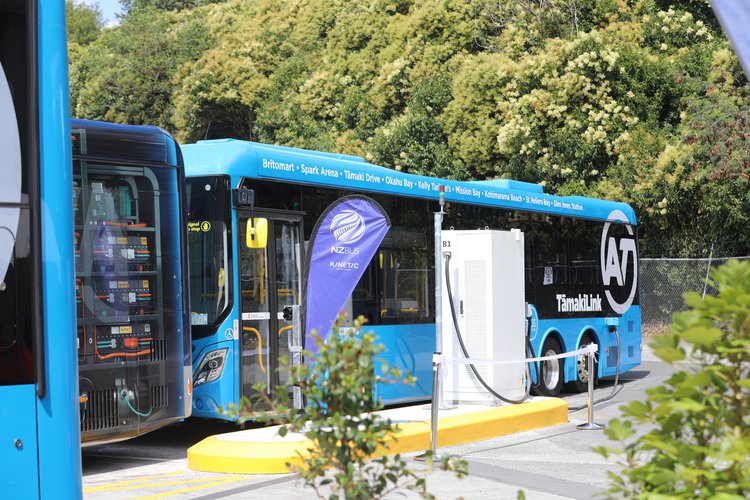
{"x":486,"y":272}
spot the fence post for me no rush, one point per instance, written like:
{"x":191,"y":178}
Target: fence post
{"x":708,"y":270}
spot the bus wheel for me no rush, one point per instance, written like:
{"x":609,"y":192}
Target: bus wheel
{"x":551,"y":370}
{"x":581,"y":383}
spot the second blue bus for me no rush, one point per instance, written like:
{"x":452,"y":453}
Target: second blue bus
{"x":577,"y":251}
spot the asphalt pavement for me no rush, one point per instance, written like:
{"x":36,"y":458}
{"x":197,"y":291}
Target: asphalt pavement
{"x":552,"y":462}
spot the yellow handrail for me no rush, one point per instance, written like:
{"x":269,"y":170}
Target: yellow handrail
{"x":260,"y":344}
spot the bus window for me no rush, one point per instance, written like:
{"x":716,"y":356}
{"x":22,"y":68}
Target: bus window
{"x":208,"y":252}
{"x":402,"y":273}
{"x":16,"y":291}
{"x":550,"y":260}
{"x":15,"y":301}
{"x":583,"y":240}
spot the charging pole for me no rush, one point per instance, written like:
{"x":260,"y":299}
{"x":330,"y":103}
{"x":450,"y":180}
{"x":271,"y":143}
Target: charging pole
{"x":439,"y":288}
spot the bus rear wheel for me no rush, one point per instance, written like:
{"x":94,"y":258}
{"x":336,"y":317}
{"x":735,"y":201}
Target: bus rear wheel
{"x":581,"y":382}
{"x":550,"y":381}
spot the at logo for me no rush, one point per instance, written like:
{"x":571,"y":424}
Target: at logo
{"x":348,"y":227}
{"x":615,"y":260}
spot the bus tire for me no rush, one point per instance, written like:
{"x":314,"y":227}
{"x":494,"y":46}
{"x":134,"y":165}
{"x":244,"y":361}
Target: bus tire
{"x":551,"y":374}
{"x":581,"y":382}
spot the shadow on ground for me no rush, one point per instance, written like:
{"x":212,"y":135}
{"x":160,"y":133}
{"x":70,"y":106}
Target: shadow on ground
{"x":168,"y":443}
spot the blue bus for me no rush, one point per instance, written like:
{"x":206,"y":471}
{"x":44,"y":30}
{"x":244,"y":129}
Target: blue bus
{"x":39,"y":432}
{"x":133,"y":333}
{"x":581,"y":266}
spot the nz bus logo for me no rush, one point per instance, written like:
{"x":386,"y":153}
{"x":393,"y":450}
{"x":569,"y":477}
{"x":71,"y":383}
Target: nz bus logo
{"x":615,"y":260}
{"x":348,"y":227}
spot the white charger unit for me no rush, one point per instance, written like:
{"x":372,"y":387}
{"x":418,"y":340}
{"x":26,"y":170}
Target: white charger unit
{"x":486,"y":271}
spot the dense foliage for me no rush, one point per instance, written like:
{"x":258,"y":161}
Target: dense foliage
{"x":340,"y":422}
{"x":635,"y":100}
{"x":699,"y":442}
{"x":83,"y":23}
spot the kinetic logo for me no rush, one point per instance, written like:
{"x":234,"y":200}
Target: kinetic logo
{"x":615,"y":260}
{"x":348,"y":227}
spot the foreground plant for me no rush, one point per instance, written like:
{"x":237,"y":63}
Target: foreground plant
{"x":700,"y":443}
{"x":338,"y":418}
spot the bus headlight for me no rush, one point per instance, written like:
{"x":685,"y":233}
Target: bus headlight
{"x":211,"y":367}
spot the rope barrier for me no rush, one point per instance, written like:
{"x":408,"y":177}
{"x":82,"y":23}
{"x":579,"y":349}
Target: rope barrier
{"x":438,"y":368}
{"x":587,"y":349}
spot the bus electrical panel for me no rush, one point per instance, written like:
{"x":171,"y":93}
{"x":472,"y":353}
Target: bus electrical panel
{"x":128,"y":294}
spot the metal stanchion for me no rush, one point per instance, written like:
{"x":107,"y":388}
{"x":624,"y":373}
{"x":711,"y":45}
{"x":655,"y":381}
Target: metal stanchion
{"x":590,"y":425}
{"x":437,"y":359}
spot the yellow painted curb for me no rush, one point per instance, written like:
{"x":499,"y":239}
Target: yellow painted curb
{"x":223,"y":453}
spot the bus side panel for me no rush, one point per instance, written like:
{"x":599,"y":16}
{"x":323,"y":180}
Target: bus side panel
{"x":629,"y":331}
{"x":18,"y":443}
{"x":408,"y":348}
{"x":59,"y":435}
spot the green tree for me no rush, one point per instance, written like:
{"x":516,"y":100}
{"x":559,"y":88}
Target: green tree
{"x":415,"y":141}
{"x":640,"y":101}
{"x":220,"y":93}
{"x":126,"y":75}
{"x":170,"y":5}
{"x":83,"y":22}
{"x":699,"y":439}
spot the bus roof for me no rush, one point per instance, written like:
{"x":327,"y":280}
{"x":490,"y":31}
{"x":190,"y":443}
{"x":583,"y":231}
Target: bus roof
{"x":131,"y":143}
{"x":239,"y":159}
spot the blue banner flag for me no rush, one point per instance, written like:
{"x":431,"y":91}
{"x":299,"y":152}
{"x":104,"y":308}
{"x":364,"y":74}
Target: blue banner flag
{"x":734,"y":16}
{"x":341,"y":246}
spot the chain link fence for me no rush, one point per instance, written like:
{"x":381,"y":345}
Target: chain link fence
{"x":665,"y":281}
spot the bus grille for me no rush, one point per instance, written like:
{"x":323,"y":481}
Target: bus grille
{"x":159,"y":396}
{"x":100,"y":411}
{"x":158,"y":350}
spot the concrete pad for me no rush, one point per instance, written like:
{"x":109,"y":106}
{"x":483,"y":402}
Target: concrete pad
{"x":263,"y":451}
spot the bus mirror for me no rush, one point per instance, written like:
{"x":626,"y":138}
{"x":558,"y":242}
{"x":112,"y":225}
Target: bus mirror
{"x":256,"y":235}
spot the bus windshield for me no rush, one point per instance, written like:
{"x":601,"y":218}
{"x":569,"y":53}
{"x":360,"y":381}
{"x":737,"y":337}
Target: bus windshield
{"x":208,"y":252}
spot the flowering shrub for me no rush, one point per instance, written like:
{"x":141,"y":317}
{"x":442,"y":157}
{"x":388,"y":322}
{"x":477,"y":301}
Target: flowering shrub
{"x":636,"y":100}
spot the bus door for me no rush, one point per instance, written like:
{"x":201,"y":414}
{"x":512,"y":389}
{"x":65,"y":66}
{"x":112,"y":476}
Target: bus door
{"x":269,"y":280}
